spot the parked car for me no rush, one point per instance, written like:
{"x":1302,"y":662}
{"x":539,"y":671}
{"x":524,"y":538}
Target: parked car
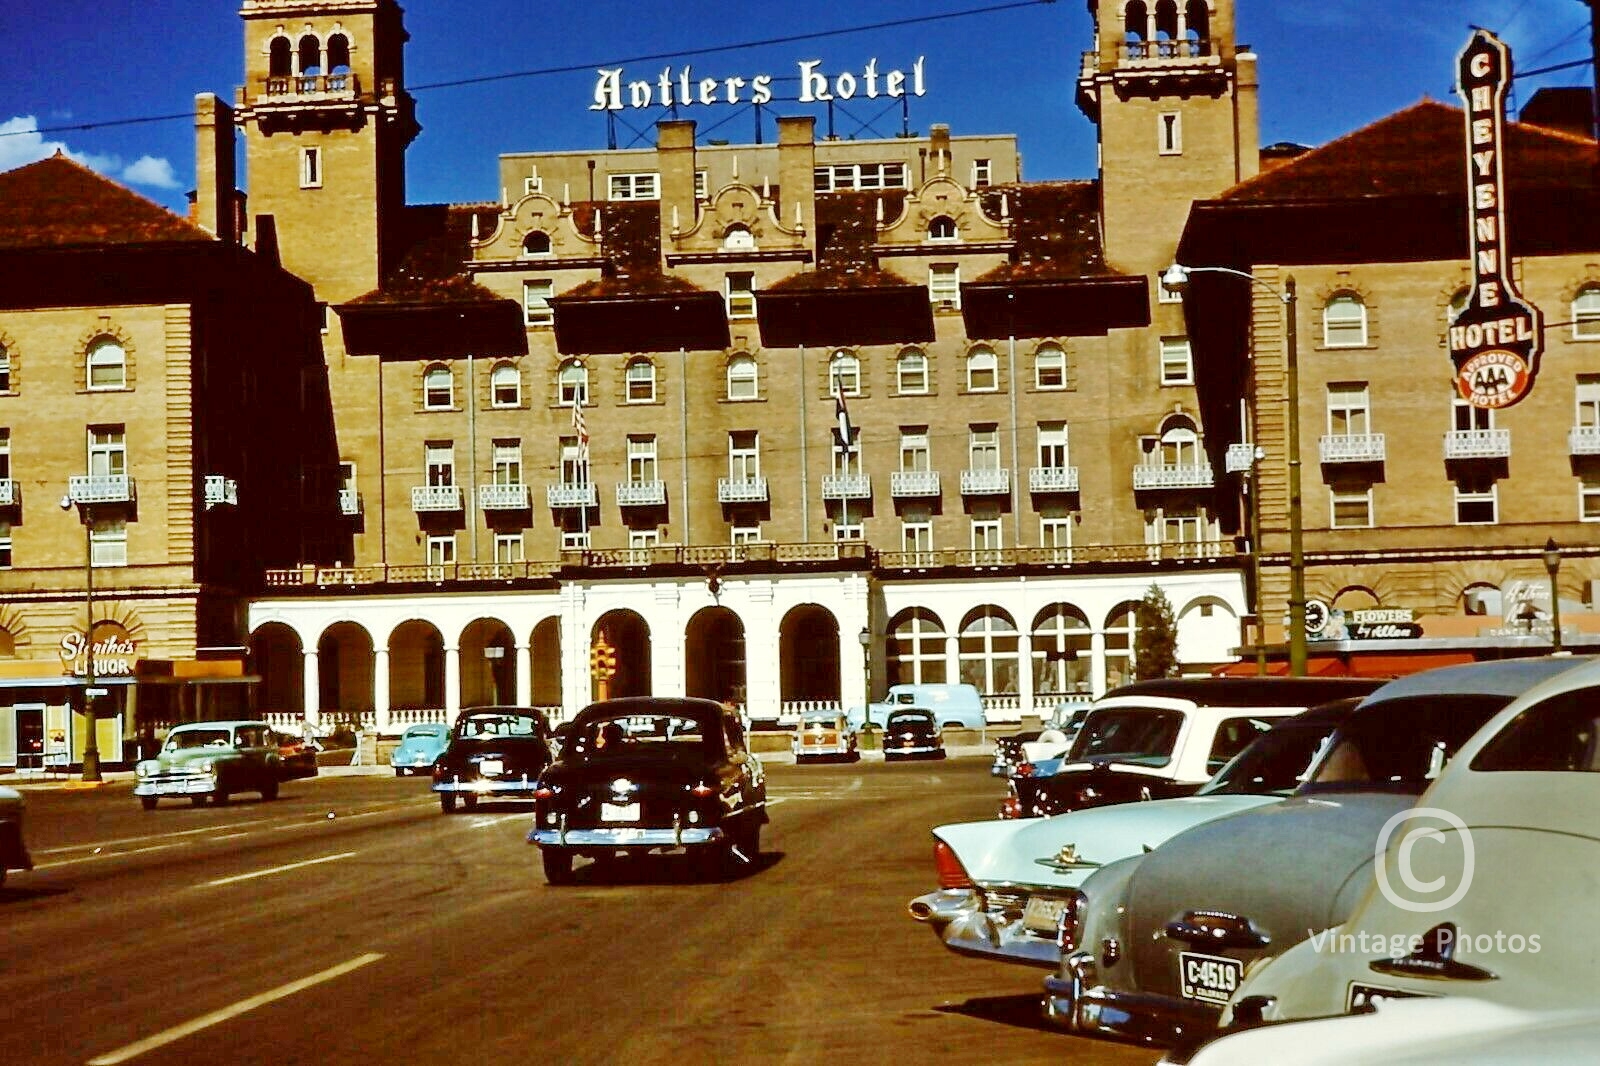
{"x":215,"y":760}
{"x":1514,"y":870}
{"x":1062,"y":727}
{"x":1004,"y":884}
{"x":824,"y":734}
{"x":912,"y":733}
{"x":1161,"y":941}
{"x":1164,"y":738}
{"x":419,"y":748}
{"x":297,"y":756}
{"x":13,"y":848}
{"x":650,"y":774}
{"x":493,"y":751}
{"x":957,"y":706}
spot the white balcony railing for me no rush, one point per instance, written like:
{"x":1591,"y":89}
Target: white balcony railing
{"x":10,"y":492}
{"x":100,"y":488}
{"x":436,"y":498}
{"x":349,"y":502}
{"x":741,"y":489}
{"x":846,"y":486}
{"x":1352,"y":448}
{"x":503,"y":497}
{"x":1477,"y":444}
{"x":1240,"y":458}
{"x":221,"y":490}
{"x":1584,"y":440}
{"x":641,"y":493}
{"x":1172,"y":476}
{"x":1053,"y":479}
{"x":984,"y":482}
{"x":571,"y":494}
{"x":914,"y":483}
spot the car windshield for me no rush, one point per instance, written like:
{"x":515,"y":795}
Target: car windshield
{"x":1401,"y":745}
{"x":497,"y":726}
{"x":1142,"y":736}
{"x":1559,"y":735}
{"x":621,"y":736}
{"x":425,"y":731}
{"x":199,"y":738}
{"x":1273,"y":764}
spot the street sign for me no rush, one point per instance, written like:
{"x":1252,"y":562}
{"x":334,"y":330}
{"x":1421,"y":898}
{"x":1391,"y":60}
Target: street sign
{"x":97,"y":692}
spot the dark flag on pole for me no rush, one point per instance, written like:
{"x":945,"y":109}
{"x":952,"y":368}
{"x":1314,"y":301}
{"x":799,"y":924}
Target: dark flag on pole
{"x":843,"y":430}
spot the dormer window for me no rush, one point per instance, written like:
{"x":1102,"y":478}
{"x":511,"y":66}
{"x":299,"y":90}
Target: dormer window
{"x":536,"y":243}
{"x":738,"y":238}
{"x":942,"y":228}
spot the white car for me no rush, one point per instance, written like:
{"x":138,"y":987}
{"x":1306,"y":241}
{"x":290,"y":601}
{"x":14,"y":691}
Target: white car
{"x":1485,"y":890}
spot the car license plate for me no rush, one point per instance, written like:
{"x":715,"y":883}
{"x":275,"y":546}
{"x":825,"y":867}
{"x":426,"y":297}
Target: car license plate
{"x":491,"y":767}
{"x":1363,"y":998}
{"x":619,"y":812}
{"x":1208,"y":978}
{"x":1042,"y":914}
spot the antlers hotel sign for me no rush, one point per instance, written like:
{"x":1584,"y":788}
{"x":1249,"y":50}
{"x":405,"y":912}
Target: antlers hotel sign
{"x":681,"y":88}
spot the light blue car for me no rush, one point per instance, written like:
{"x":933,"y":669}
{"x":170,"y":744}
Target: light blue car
{"x":420,"y":746}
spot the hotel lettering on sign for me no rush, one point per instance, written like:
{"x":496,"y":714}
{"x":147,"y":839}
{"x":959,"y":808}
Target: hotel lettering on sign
{"x":1496,"y":338}
{"x":680,"y":88}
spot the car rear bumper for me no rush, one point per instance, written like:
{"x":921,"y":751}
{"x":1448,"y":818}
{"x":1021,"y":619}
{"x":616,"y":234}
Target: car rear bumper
{"x":627,"y":836}
{"x":480,"y":786}
{"x":934,"y":750}
{"x":1074,"y":999}
{"x":187,"y":785}
{"x":983,"y":935}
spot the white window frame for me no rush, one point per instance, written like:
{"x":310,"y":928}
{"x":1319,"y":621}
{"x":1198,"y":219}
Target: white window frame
{"x":574,"y":540}
{"x":943,"y":229}
{"x":1344,"y":330}
{"x":1055,"y":531}
{"x":944,"y":286}
{"x":508,"y":548}
{"x":433,"y":398}
{"x":644,"y":538}
{"x":912,"y":356}
{"x":639,"y":381}
{"x":850,"y":525}
{"x":574,"y":465}
{"x":1054,"y":445}
{"x":987,"y":533}
{"x":643,"y":462}
{"x":5,"y":453}
{"x":983,"y":447}
{"x":536,"y":307}
{"x":739,"y":534}
{"x":982,"y":360}
{"x":549,"y":245}
{"x":1589,"y":497}
{"x":5,"y":369}
{"x":847,"y":177}
{"x":1586,"y":395}
{"x":116,"y":364}
{"x":702,"y":184}
{"x":844,"y":373}
{"x":744,"y":378}
{"x":744,"y":455}
{"x":1343,"y":497}
{"x":633,"y":185}
{"x":507,"y":462}
{"x":6,"y":561}
{"x":439,"y":463}
{"x":739,"y":292}
{"x":441,"y":549}
{"x":311,"y":167}
{"x":1179,"y":445}
{"x":916,"y":531}
{"x":572,"y":384}
{"x":1048,"y":357}
{"x":982,"y":173}
{"x":502,"y":378}
{"x":1179,"y":528}
{"x":531,"y":184}
{"x":108,"y":451}
{"x":1169,"y":133}
{"x":108,"y":541}
{"x":1470,"y":498}
{"x":1466,"y":418}
{"x":1586,"y":314}
{"x":738,"y":238}
{"x":1177,"y":361}
{"x":915,"y":453}
{"x":1349,"y":409}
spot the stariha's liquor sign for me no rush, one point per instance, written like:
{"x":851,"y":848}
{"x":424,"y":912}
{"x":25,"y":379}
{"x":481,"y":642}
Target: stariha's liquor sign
{"x":613,"y":91}
{"x":1496,"y":337}
{"x":113,"y":656}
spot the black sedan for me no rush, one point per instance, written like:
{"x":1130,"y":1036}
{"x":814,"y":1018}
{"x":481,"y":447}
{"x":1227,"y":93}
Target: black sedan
{"x":912,"y":734}
{"x":493,"y":751}
{"x":651,"y":774}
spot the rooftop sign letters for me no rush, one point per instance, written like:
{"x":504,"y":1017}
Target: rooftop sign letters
{"x":1496,"y":337}
{"x":682,"y":89}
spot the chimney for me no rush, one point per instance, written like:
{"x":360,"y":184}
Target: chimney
{"x":939,"y":147}
{"x":675,"y":155}
{"x":797,"y":165}
{"x":216,"y":198}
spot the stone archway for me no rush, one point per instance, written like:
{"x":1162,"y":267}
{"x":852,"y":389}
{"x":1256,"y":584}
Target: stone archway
{"x":808,"y":655}
{"x":277,"y":658}
{"x":416,"y":667}
{"x":713,"y":656}
{"x":488,"y":664}
{"x":629,"y":634}
{"x":344,"y":669}
{"x":545,"y":652}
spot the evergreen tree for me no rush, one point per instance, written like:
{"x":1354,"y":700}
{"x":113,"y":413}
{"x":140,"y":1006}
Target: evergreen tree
{"x":1156,"y":642}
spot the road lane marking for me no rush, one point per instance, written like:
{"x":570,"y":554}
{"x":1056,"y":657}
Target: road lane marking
{"x":205,"y":1021}
{"x":141,"y":839}
{"x":279,"y":869}
{"x":485,"y":822}
{"x":773,"y":801}
{"x":108,"y":855}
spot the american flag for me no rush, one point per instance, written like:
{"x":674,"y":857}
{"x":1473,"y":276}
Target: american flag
{"x":844,"y":433}
{"x":581,"y":429}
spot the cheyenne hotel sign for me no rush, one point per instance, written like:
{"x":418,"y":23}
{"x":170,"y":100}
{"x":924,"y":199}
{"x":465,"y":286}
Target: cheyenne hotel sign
{"x":680,"y":88}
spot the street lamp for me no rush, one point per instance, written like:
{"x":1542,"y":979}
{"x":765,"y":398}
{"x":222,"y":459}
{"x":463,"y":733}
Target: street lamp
{"x":865,"y":637}
{"x":1552,"y":564}
{"x":1176,"y":279}
{"x":91,"y":743}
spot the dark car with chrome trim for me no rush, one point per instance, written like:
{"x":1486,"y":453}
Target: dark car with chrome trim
{"x":13,"y":849}
{"x":493,"y":752}
{"x":652,"y":774}
{"x":912,"y":733}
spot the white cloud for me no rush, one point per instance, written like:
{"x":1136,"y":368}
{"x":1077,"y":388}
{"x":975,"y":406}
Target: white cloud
{"x":148,"y":170}
{"x":21,"y":143}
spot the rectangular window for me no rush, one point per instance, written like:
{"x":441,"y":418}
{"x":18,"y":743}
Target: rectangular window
{"x":1351,"y":506}
{"x":642,"y":460}
{"x":1176,"y":368}
{"x":1169,"y":132}
{"x":439,"y":461}
{"x":744,"y":455}
{"x":508,"y":462}
{"x":536,"y":309}
{"x":702,"y":185}
{"x":574,"y":535}
{"x":1179,"y":528}
{"x":741,"y":294}
{"x":849,"y":525}
{"x":641,"y":186}
{"x":845,"y":177}
{"x":944,"y":286}
{"x":108,"y":542}
{"x":108,"y":451}
{"x":5,"y":544}
{"x":848,"y":462}
{"x":322,"y":315}
{"x":747,"y":534}
{"x":1464,"y":417}
{"x":1055,"y":531}
{"x":441,"y":549}
{"x":916,"y":530}
{"x":983,"y":447}
{"x":986,"y":534}
{"x":508,"y":548}
{"x":5,"y":453}
{"x":911,"y":372}
{"x":532,"y":185}
{"x":5,"y":370}
{"x":914,"y":453}
{"x":311,"y":168}
{"x":573,"y":470}
{"x":1476,"y":499}
{"x":1053,"y":445}
{"x":1589,"y":497}
{"x":1588,"y":396}
{"x":982,"y":174}
{"x":1348,"y":409}
{"x":644,"y":538}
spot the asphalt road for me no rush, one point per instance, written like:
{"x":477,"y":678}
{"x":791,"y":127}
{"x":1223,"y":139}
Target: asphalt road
{"x":351,"y":922}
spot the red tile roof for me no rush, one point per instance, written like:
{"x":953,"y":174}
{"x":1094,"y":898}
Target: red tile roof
{"x":847,"y":227}
{"x":1057,"y":229}
{"x":435,"y":239}
{"x":57,"y":203}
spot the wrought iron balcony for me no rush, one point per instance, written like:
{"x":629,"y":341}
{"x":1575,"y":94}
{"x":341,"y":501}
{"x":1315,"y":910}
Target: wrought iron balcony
{"x":847,"y":486}
{"x":641,"y":493}
{"x":100,"y":488}
{"x":436,"y":498}
{"x":1352,"y":448}
{"x":571,"y":494}
{"x":503,"y":497}
{"x":1584,"y":440}
{"x":10,"y":492}
{"x":1477,"y":444}
{"x":221,"y":490}
{"x":349,"y":502}
{"x":1053,"y":479}
{"x":742,"y":490}
{"x":1240,"y":458}
{"x":1172,"y":476}
{"x":985,"y":482}
{"x":914,"y":483}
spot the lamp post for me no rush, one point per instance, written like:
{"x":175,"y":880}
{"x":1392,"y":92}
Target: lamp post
{"x":865,"y":637}
{"x":1552,"y":565}
{"x":1176,"y":279}
{"x":91,"y":743}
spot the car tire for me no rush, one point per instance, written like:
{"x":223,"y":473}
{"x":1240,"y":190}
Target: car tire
{"x":147,"y":802}
{"x":557,"y":865}
{"x":220,"y":797}
{"x":197,"y":801}
{"x":470,"y":802}
{"x":269,"y":791}
{"x":399,"y":771}
{"x":447,"y":802}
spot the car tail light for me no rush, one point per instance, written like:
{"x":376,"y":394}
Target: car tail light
{"x":703,"y":791}
{"x":1011,"y":807}
{"x":1070,"y":924}
{"x":951,"y":873}
{"x":1024,"y":769}
{"x":543,"y":792}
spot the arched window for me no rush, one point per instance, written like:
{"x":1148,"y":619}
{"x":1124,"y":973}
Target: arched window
{"x":1120,"y":631}
{"x":983,"y":370}
{"x":1136,"y":23}
{"x":911,"y":372}
{"x":1180,"y":442}
{"x":505,"y":386}
{"x":1344,"y":322}
{"x":536,"y":243}
{"x":641,"y":379}
{"x":915,"y":649}
{"x":438,"y":388}
{"x":844,"y":374}
{"x":338,"y":54}
{"x":942,"y":228}
{"x":1061,"y":651}
{"x":573,"y":383}
{"x":988,"y":651}
{"x":1050,"y":367}
{"x":108,"y":365}
{"x":1586,"y":314}
{"x":280,"y":58}
{"x":1199,"y":24}
{"x":742,"y":380}
{"x":308,"y":55}
{"x":1166,"y":24}
{"x":738,"y":238}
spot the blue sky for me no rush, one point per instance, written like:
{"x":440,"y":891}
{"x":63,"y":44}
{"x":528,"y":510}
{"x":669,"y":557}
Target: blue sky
{"x":1327,"y":67}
